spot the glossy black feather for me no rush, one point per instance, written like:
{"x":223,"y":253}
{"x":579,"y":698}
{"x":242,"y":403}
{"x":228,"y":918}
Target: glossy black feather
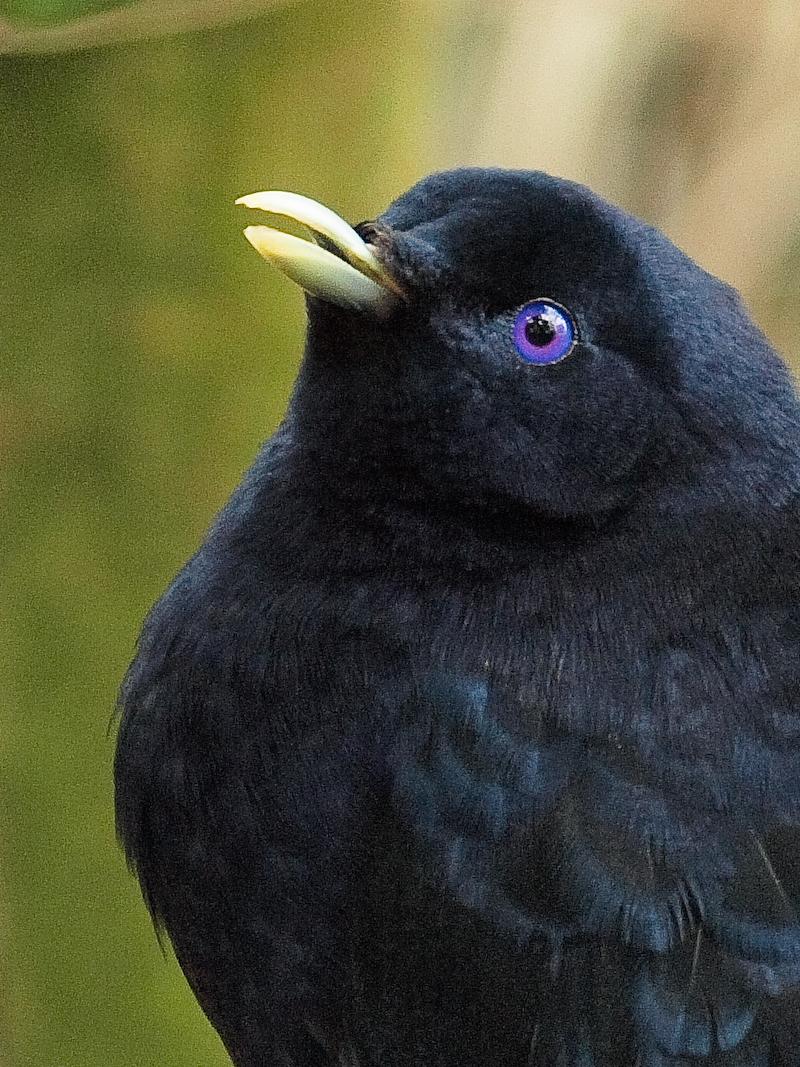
{"x":470,"y":735}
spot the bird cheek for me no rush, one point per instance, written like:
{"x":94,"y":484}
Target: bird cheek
{"x":555,"y":382}
{"x":596,"y":420}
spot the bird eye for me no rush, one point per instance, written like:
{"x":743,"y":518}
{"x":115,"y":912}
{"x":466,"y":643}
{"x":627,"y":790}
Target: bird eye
{"x":544,"y":332}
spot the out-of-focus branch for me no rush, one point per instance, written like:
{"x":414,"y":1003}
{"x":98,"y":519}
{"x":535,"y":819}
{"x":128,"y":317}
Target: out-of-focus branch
{"x":149,"y":18}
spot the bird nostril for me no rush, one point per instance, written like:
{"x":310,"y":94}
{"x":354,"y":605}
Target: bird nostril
{"x":377,"y":235}
{"x":367,"y":230}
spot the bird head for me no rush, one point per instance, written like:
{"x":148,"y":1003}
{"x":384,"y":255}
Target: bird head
{"x":505,"y":339}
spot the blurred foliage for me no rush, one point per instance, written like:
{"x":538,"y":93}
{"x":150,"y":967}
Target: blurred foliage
{"x":54,"y":10}
{"x":43,"y":26}
{"x":147,"y":351}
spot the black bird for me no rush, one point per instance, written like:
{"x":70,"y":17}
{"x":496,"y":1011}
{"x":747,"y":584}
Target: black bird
{"x":470,"y":737}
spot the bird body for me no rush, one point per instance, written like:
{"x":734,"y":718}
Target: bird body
{"x":470,"y":734}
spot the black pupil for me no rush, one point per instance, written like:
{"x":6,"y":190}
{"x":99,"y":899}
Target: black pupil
{"x":540,"y":331}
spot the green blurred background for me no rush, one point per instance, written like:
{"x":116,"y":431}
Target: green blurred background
{"x":146,"y":351}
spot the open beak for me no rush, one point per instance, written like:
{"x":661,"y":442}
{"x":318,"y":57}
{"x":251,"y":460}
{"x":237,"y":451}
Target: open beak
{"x":357,"y":280}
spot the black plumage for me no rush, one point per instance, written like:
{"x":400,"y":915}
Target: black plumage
{"x":470,"y":736}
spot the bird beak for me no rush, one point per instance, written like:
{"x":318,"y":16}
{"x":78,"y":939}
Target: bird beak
{"x":357,"y":280}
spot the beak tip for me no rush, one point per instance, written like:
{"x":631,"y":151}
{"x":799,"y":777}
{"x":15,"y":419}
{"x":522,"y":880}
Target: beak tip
{"x":352,"y":277}
{"x":255,"y":236}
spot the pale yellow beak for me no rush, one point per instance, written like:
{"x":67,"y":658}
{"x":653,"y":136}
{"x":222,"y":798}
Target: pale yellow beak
{"x":359,"y":281}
